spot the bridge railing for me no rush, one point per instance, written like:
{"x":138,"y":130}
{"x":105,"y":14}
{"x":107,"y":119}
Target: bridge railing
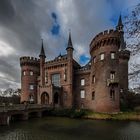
{"x":18,"y":107}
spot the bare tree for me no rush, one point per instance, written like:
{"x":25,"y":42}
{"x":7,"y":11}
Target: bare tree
{"x":132,"y":34}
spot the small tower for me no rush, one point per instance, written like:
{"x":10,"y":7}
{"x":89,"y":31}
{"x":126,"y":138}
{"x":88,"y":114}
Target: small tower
{"x":119,"y":28}
{"x":124,"y":56}
{"x":42,"y":65}
{"x":29,"y":75}
{"x":70,"y":47}
{"x":70,"y":71}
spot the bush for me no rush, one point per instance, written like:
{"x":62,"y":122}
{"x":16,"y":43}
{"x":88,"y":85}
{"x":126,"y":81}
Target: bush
{"x":72,"y":113}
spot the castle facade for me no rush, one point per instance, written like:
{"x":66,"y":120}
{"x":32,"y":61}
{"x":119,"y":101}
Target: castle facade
{"x":63,"y":83}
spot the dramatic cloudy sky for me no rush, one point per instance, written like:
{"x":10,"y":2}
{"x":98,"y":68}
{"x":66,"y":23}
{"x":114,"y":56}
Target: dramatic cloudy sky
{"x":24,"y":22}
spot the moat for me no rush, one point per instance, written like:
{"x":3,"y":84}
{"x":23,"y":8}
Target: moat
{"x":56,"y":128}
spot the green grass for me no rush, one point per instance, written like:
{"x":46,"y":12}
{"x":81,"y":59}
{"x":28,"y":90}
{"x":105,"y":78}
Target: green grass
{"x":87,"y":114}
{"x":116,"y":116}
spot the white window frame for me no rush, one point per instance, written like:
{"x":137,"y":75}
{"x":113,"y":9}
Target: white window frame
{"x":82,"y":94}
{"x":102,"y":56}
{"x":31,"y":87}
{"x":31,"y":73}
{"x":112,"y":55}
{"x":24,"y":73}
{"x":93,"y":79}
{"x":82,"y":82}
{"x":112,"y":75}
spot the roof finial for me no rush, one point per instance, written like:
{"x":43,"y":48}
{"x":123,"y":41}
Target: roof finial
{"x":119,"y":27}
{"x":120,"y":21}
{"x":42,"y":53}
{"x":69,"y":40}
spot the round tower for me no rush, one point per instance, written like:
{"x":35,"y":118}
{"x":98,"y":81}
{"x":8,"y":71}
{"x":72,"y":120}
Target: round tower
{"x":124,"y":56}
{"x":29,"y":75}
{"x":104,"y":50}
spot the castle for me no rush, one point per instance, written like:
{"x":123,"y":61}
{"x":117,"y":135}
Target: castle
{"x":63,"y":83}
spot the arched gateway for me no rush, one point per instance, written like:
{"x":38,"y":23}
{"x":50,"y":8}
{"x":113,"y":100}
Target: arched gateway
{"x":56,"y":99}
{"x":44,"y":98}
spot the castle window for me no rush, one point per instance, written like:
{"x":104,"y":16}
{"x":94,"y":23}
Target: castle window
{"x":82,"y":82}
{"x":24,"y":72}
{"x":94,"y":59}
{"x":102,"y":56}
{"x":112,"y":94}
{"x":31,"y":86}
{"x":112,"y":55}
{"x":93,"y":95}
{"x":82,"y":94}
{"x":93,"y":79}
{"x":112,"y":75}
{"x":56,"y":80}
{"x":31,"y":73}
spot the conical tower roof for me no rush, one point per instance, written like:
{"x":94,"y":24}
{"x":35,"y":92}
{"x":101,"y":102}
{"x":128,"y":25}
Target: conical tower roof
{"x":69,"y":42}
{"x":42,"y":52}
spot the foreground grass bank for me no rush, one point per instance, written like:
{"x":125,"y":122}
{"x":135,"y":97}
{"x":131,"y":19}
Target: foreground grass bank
{"x":87,"y":114}
{"x":116,"y":116}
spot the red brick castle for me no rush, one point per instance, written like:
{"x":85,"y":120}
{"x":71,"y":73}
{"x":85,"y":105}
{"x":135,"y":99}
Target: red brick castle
{"x":62,"y":82}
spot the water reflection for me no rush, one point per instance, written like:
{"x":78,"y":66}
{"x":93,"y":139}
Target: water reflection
{"x":52,"y":128}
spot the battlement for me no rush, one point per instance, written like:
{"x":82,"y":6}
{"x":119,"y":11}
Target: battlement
{"x":57,"y":60}
{"x":26,"y":60}
{"x":124,"y":54}
{"x":105,"y":38}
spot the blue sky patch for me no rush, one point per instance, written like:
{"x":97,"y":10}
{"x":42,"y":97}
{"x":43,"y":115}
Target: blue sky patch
{"x":114,"y":19}
{"x":55,"y":27}
{"x":84,"y":59}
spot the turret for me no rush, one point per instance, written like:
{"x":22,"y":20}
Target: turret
{"x":42,"y":65}
{"x":70,"y":71}
{"x":70,"y":47}
{"x":124,"y":56}
{"x":104,"y":78}
{"x":29,"y":74}
{"x":119,"y":28}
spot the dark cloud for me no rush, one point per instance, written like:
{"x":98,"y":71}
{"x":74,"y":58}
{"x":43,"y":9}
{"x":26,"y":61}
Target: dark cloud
{"x":24,"y":22}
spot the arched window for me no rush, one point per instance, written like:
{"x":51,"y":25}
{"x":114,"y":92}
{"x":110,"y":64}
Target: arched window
{"x":112,"y":94}
{"x":93,"y":95}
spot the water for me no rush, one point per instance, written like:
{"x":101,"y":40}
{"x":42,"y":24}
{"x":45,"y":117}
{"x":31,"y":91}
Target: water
{"x":55,"y":128}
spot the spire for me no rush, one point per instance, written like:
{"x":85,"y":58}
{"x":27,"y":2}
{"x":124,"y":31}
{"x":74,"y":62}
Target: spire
{"x":69,"y":42}
{"x":120,"y":21}
{"x":119,"y":27}
{"x":42,"y":53}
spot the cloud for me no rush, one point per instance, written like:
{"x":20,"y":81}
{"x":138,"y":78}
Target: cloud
{"x":23,"y":24}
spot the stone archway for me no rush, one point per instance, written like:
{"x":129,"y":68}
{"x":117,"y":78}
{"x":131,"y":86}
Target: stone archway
{"x":56,"y":99}
{"x":45,"y":98}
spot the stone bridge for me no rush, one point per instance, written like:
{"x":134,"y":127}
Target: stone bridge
{"x":21,"y":112}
